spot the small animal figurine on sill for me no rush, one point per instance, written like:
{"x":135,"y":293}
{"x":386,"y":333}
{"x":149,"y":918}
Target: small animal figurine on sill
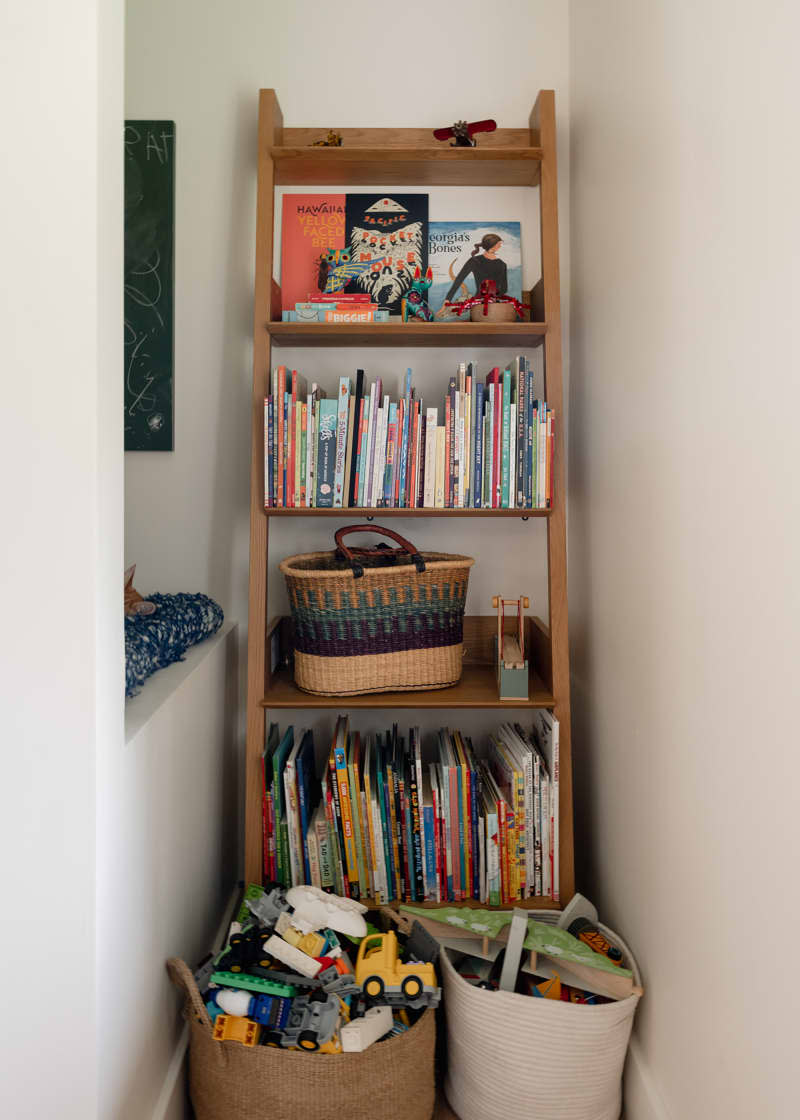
{"x":332,"y":140}
{"x":415,"y":303}
{"x":462,"y":133}
{"x":134,"y":603}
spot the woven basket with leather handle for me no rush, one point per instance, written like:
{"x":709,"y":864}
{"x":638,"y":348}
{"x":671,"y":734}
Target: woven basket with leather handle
{"x":392,"y":1080}
{"x":376,"y":619}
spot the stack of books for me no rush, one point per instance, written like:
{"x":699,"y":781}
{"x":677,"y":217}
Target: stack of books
{"x":381,"y":823}
{"x":490,"y":446}
{"x":336,"y":308}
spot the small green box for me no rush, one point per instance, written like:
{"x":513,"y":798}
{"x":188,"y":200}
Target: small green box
{"x":512,"y":684}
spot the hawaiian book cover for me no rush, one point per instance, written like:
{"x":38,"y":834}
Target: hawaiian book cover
{"x":354,"y":243}
{"x":463,"y":254}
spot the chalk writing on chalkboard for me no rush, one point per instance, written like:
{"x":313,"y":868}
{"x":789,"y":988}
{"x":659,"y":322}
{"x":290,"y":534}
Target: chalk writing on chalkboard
{"x":149,"y":284}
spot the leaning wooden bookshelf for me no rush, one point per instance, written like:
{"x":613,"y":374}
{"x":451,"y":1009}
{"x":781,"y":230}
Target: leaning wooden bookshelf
{"x":507,"y":157}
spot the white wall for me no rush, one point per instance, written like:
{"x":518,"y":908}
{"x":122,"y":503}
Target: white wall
{"x":202,"y":64}
{"x":173,"y":787}
{"x":685,"y":547}
{"x":61,"y":465}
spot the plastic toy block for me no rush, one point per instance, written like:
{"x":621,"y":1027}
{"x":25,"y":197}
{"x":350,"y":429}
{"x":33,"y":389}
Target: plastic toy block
{"x":358,"y":1034}
{"x":232,"y":1028}
{"x":295,"y":958}
{"x":268,"y":908}
{"x":315,"y":909}
{"x":310,"y":943}
{"x":251,"y":983}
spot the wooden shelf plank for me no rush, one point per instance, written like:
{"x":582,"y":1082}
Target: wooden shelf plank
{"x":472,"y":903}
{"x":407,"y":334}
{"x":371,"y":512}
{"x":408,"y":166}
{"x":476,"y":689}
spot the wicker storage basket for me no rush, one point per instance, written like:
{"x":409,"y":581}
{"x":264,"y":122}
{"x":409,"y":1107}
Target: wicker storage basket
{"x":392,"y":1080}
{"x":375,"y":620}
{"x":534,"y":1059}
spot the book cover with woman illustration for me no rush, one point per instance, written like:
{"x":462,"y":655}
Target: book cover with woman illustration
{"x":463,"y":254}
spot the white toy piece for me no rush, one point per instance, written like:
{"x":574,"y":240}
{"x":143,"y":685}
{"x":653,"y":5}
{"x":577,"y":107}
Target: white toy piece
{"x":315,"y":909}
{"x":513,"y":955}
{"x":360,"y":1033}
{"x":234,"y":1003}
{"x":295,"y":958}
{"x":578,"y":907}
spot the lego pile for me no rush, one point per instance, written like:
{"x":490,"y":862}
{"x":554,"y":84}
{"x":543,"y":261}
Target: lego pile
{"x":286,"y":976}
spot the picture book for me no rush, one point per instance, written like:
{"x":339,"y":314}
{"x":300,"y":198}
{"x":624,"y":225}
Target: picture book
{"x":353,"y":243}
{"x":462,"y":254}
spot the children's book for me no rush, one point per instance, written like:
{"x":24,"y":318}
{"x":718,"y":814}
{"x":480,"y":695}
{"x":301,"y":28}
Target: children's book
{"x":366,"y":244}
{"x":326,"y":452}
{"x":462,"y":254}
{"x":281,"y":829}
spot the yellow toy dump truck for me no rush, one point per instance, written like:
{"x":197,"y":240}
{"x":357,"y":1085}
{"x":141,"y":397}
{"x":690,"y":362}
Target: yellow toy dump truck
{"x":383,"y":978}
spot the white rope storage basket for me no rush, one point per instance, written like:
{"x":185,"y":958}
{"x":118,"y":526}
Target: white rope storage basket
{"x":534,"y":1059}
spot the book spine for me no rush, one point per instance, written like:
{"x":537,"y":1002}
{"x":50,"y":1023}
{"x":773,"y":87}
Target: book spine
{"x":414,"y":474}
{"x":446,"y":451}
{"x":298,"y":443}
{"x":358,"y":834}
{"x":506,"y":437}
{"x":522,"y":421}
{"x":451,"y":434}
{"x":550,"y":446}
{"x":473,"y":796}
{"x":371,"y":497}
{"x":356,"y":500}
{"x":391,"y":456}
{"x":303,"y":408}
{"x":358,"y":397}
{"x":383,"y":806}
{"x":326,"y":452}
{"x":541,"y":448}
{"x":431,"y":894}
{"x":429,"y":497}
{"x":422,"y":454}
{"x":416,"y":830}
{"x":342,"y":413}
{"x":313,"y":874}
{"x":295,"y":855}
{"x":457,"y":399}
{"x":278,"y":405}
{"x":394,"y":827}
{"x":505,"y":894}
{"x":456,"y":831}
{"x":512,"y":456}
{"x":477,"y":486}
{"x":493,"y":860}
{"x":347,"y":821}
{"x":338,"y":825}
{"x":267,"y":452}
{"x":309,"y":449}
{"x":467,"y":437}
{"x":380,"y":453}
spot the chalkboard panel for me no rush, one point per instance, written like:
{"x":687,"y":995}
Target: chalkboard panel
{"x":149,"y":284}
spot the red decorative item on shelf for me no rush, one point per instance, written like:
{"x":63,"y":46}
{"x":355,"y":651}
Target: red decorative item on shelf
{"x":486,"y":296}
{"x":462,"y":133}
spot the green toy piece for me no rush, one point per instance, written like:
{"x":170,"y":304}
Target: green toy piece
{"x":251,"y":983}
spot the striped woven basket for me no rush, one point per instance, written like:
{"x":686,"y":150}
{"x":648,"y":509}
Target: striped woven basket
{"x":376,"y":620}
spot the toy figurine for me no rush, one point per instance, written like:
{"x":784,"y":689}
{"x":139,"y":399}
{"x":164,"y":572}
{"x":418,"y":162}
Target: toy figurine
{"x":486,"y":297}
{"x":415,"y":303}
{"x":385,"y":979}
{"x":332,"y":140}
{"x":512,"y":667}
{"x":462,"y":133}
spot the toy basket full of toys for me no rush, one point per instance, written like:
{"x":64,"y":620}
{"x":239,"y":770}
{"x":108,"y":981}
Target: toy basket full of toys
{"x":284,"y":1026}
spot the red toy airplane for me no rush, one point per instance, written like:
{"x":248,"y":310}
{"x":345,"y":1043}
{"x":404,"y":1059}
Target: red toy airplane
{"x":462,"y":133}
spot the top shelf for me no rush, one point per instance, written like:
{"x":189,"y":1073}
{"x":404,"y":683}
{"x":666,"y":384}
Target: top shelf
{"x":408,"y":166}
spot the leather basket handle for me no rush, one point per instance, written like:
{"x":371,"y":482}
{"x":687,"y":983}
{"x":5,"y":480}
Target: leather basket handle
{"x":349,"y":555}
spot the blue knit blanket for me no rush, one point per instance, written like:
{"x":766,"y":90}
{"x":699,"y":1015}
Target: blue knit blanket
{"x":154,"y":641}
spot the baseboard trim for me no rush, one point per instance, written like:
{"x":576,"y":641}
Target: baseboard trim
{"x":642,"y":1099}
{"x":165,"y":1107}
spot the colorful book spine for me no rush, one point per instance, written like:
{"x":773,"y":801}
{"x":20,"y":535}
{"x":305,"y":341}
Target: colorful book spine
{"x":506,"y":440}
{"x":326,"y":453}
{"x":268,"y":452}
{"x":477,"y":487}
{"x":278,"y":404}
{"x":391,"y":456}
{"x":342,"y":412}
{"x":348,"y":835}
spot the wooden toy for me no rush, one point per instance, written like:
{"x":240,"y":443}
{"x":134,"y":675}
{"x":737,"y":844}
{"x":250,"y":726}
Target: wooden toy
{"x":414,"y":305}
{"x":512,"y":666}
{"x":462,"y":133}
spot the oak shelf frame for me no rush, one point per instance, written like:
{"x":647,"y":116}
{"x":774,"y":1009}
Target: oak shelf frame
{"x":371,"y":512}
{"x":407,"y":334}
{"x":399,"y":157}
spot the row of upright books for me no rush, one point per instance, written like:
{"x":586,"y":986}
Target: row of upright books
{"x":380,"y":823}
{"x":490,"y":446}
